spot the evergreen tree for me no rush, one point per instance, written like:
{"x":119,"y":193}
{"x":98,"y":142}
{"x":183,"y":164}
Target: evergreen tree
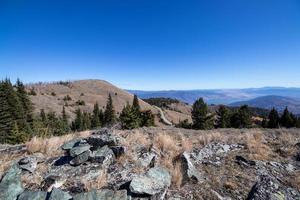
{"x":86,"y":121}
{"x":96,"y":116}
{"x":78,"y":122}
{"x":43,"y":116}
{"x":200,"y":115}
{"x":273,"y":119}
{"x":109,"y":114}
{"x":129,"y":118}
{"x":286,"y":120}
{"x":135,"y":104}
{"x":6,"y":117}
{"x":147,"y":118}
{"x":241,"y":118}
{"x":64,"y":121}
{"x":223,"y":120}
{"x":16,"y":135}
{"x":24,"y":100}
{"x":101,"y":117}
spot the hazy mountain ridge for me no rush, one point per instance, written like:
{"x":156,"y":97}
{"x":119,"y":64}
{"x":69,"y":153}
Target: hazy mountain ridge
{"x":221,"y":96}
{"x":268,"y":102}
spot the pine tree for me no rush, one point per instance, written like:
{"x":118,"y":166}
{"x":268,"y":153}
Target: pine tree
{"x":200,"y":115}
{"x":147,"y":118}
{"x":16,"y":135}
{"x":223,"y":120}
{"x":64,"y":121}
{"x":78,"y":122}
{"x":6,"y":117}
{"x":24,"y":100}
{"x":245,"y":116}
{"x":95,"y":123}
{"x":43,"y":116}
{"x":273,"y":119}
{"x":128,"y":118}
{"x":286,"y":119}
{"x":241,"y":118}
{"x":135,"y":104}
{"x":109,"y":114}
{"x":101,"y":117}
{"x":86,"y":121}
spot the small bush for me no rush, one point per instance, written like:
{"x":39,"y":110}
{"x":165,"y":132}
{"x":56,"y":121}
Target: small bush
{"x":67,"y":98}
{"x":80,"y":103}
{"x":53,"y":94}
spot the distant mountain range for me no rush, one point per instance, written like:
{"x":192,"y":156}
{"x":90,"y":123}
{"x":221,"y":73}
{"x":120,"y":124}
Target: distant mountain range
{"x":268,"y":102}
{"x":266,"y":97}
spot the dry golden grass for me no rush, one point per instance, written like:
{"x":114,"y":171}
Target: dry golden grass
{"x":177,"y":176}
{"x":256,"y":146}
{"x":51,"y":146}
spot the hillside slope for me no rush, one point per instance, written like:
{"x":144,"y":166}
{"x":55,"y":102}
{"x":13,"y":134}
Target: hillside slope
{"x":50,"y":96}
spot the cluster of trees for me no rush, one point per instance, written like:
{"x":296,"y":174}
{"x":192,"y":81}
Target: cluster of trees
{"x":161,"y":101}
{"x":15,"y":112}
{"x":132,"y":116}
{"x":96,"y":119}
{"x":236,"y":118}
{"x":287,"y":119}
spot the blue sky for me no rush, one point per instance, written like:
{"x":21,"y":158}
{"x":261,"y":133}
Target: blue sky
{"x":153,"y":45}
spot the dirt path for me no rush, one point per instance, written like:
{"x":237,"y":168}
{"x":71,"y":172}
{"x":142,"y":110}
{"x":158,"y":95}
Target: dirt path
{"x":162,"y":116}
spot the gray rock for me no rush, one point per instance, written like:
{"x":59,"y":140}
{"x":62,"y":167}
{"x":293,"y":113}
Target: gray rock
{"x":189,"y":170}
{"x":70,"y":144}
{"x":155,"y":181}
{"x":28,"y":163}
{"x":213,"y":152}
{"x":11,"y":186}
{"x":104,"y":155}
{"x":104,"y":194}
{"x":77,"y":150}
{"x":146,"y":159}
{"x":58,"y":194}
{"x":118,"y":150}
{"x":33,"y":195}
{"x":100,"y":140}
{"x":270,"y":188}
{"x":81,"y":158}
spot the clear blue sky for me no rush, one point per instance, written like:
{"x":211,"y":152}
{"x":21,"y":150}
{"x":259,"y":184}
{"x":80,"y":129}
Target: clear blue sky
{"x":153,"y":44}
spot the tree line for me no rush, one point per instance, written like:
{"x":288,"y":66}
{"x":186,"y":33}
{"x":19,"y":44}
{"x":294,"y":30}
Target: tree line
{"x":236,"y":118}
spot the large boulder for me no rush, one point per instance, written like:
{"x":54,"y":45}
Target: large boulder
{"x":70,"y":144}
{"x":33,"y":195}
{"x":81,"y":158}
{"x":11,"y":186}
{"x":79,"y":149}
{"x":155,"y":181}
{"x":270,"y":188}
{"x":58,"y":194}
{"x":189,"y":170}
{"x":28,"y":164}
{"x":104,"y":194}
{"x":98,"y":140}
{"x":104,"y":155}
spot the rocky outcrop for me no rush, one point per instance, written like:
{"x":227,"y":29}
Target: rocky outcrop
{"x":269,"y":187}
{"x":102,"y":194}
{"x":155,"y":181}
{"x":189,"y":170}
{"x":28,"y":163}
{"x":33,"y":195}
{"x":11,"y":186}
{"x":58,"y":194}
